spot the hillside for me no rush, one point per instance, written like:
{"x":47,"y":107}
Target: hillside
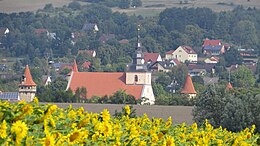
{"x":150,"y":7}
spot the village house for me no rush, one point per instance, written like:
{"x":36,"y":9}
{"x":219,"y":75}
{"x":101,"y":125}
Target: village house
{"x":42,"y":31}
{"x":212,"y":59}
{"x":214,"y":47}
{"x":163,"y":66}
{"x":4,"y":31}
{"x":182,"y":53}
{"x":91,"y":53}
{"x":152,"y":57}
{"x":90,"y":27}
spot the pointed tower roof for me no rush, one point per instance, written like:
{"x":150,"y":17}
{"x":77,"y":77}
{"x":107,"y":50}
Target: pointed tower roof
{"x":75,"y":67}
{"x":229,"y":86}
{"x":188,"y":87}
{"x":27,"y":78}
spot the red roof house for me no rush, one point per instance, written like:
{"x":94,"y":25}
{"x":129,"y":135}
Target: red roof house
{"x":152,"y":57}
{"x":208,"y":42}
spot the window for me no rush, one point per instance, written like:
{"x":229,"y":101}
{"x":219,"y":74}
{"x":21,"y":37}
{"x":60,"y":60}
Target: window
{"x":136,"y":78}
{"x":180,"y":51}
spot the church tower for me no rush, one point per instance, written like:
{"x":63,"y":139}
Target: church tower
{"x":138,"y":57}
{"x":27,"y":88}
{"x":138,"y":74}
{"x":188,"y":87}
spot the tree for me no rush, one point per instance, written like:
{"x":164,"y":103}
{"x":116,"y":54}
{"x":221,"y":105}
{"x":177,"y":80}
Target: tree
{"x":74,"y":5}
{"x":136,"y":3}
{"x":124,"y":4}
{"x":120,"y":97}
{"x":243,"y":77}
{"x":209,"y":105}
{"x":232,"y":56}
{"x":245,"y":34}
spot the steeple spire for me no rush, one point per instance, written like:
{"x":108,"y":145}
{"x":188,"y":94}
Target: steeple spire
{"x":75,"y":67}
{"x":138,"y":47}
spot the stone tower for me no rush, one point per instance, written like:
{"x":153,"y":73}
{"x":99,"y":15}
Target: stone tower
{"x":188,"y":87}
{"x":27,"y":88}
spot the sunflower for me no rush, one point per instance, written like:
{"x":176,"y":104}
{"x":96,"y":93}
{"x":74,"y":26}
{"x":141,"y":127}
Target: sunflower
{"x":3,"y":128}
{"x":20,"y":129}
{"x":48,"y":140}
{"x":105,"y":115}
{"x":127,"y":110}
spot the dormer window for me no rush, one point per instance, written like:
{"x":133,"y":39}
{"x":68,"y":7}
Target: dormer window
{"x":136,"y":78}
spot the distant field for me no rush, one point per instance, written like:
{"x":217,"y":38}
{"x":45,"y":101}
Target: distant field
{"x":216,"y":5}
{"x":179,"y":114}
{"x":9,"y":6}
{"x":150,"y":7}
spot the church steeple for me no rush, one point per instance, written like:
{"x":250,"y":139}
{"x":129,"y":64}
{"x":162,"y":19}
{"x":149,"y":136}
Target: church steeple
{"x":138,"y":64}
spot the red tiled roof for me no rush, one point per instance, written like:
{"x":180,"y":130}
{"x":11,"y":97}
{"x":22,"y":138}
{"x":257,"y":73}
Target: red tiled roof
{"x":188,"y":87}
{"x":151,"y":56}
{"x":86,"y":65}
{"x":208,"y":42}
{"x":189,"y":50}
{"x":229,"y":86}
{"x":39,"y":31}
{"x":28,"y":81}
{"x":176,"y":61}
{"x":124,"y":41}
{"x":103,"y":83}
{"x":75,"y":67}
{"x":170,"y":52}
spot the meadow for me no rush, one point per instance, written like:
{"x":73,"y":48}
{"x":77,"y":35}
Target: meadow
{"x":149,"y":8}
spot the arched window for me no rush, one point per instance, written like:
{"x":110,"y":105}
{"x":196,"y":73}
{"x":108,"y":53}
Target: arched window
{"x":136,"y":78}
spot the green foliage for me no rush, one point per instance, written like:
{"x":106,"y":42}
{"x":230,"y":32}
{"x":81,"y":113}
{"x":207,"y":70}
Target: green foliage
{"x":234,"y":110}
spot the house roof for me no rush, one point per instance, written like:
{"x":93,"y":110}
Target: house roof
{"x":86,"y":65}
{"x":208,"y":42}
{"x":124,"y":41}
{"x":151,"y":56}
{"x":207,"y":66}
{"x":75,"y":67}
{"x":189,"y":50}
{"x":28,"y":81}
{"x":9,"y":95}
{"x":105,"y":37}
{"x":176,"y":61}
{"x":170,"y":52}
{"x":229,"y":86}
{"x":2,"y":31}
{"x":212,"y":48}
{"x":89,"y":52}
{"x":103,"y":83}
{"x":40,"y":30}
{"x":188,"y":87}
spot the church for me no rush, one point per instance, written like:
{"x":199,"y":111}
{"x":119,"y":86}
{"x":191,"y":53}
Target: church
{"x":136,"y":81}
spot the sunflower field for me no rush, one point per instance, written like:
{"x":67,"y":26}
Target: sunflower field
{"x":45,"y":124}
